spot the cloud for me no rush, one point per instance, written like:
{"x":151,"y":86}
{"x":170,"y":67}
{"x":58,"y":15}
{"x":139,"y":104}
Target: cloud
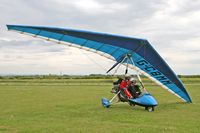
{"x":42,"y":57}
{"x":171,"y":26}
{"x":95,"y":7}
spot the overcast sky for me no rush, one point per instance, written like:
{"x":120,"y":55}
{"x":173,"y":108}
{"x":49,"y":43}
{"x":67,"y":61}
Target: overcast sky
{"x":171,"y":26}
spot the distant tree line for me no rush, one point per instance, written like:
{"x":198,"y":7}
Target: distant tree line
{"x":189,"y":76}
{"x":91,"y":76}
{"x":51,"y":76}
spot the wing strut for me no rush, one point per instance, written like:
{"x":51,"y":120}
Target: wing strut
{"x":128,"y":59}
{"x":138,"y":76}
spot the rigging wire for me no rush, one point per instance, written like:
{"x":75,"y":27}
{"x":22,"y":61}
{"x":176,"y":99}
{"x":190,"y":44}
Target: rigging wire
{"x":138,"y":76}
{"x":128,"y":60}
{"x":92,"y":60}
{"x":119,"y":66}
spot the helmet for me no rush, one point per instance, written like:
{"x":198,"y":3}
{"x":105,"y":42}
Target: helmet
{"x":133,"y":80}
{"x":127,"y":76}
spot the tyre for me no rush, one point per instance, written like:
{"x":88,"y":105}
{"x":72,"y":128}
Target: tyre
{"x":150,"y":109}
{"x":131,"y":104}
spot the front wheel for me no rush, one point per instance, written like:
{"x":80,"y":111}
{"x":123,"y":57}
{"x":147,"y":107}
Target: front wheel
{"x":150,"y":109}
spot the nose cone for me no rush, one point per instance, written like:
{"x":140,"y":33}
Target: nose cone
{"x":150,"y":100}
{"x":145,"y":100}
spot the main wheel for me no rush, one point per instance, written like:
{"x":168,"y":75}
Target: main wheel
{"x":131,"y":104}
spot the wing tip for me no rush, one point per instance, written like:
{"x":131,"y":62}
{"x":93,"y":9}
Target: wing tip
{"x":8,"y":26}
{"x":11,"y":26}
{"x":189,"y":100}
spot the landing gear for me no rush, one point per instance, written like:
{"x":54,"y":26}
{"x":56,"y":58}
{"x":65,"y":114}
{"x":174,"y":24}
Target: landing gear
{"x":150,"y":109}
{"x":131,"y":104}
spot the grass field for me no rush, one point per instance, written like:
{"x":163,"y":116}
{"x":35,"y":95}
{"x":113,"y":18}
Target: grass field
{"x":74,"y":106}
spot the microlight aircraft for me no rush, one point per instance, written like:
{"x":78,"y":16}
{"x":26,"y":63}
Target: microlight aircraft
{"x":142,"y":56}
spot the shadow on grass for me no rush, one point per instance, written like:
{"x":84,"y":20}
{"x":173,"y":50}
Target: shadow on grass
{"x":173,"y":105}
{"x":160,"y":107}
{"x":126,"y":107}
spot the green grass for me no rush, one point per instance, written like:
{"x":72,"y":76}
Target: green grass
{"x":52,"y":106}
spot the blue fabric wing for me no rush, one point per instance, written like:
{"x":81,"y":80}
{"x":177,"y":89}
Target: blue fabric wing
{"x":145,"y":57}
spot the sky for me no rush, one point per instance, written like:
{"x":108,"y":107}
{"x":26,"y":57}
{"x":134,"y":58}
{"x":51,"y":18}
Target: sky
{"x":171,"y":26}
